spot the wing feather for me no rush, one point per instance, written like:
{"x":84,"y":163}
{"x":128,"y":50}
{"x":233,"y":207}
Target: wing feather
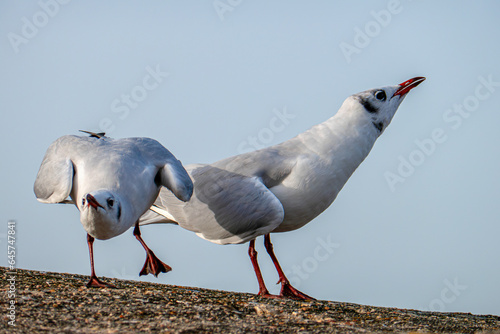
{"x":226,"y":207}
{"x":54,"y":180}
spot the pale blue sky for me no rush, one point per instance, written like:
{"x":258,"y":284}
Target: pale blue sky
{"x":221,"y":80}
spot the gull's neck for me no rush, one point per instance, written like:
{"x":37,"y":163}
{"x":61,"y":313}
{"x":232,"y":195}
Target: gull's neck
{"x":344,"y":140}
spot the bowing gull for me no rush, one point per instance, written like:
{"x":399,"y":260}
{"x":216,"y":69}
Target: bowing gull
{"x":112,"y":182}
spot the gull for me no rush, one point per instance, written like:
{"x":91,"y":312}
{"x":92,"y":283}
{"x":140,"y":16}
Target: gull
{"x":112,"y":182}
{"x":283,"y":187}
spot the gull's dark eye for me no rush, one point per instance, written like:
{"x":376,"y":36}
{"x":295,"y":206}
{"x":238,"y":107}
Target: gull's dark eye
{"x":110,"y":202}
{"x":83,"y":201}
{"x":380,"y":95}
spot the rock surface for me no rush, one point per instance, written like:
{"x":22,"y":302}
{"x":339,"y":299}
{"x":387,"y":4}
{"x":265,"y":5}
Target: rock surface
{"x":60,"y":303}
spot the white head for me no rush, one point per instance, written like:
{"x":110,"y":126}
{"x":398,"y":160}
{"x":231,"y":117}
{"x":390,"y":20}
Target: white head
{"x":101,"y":213}
{"x":378,"y":106}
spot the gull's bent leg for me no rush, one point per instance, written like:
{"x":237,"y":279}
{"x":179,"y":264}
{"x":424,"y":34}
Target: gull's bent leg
{"x":287,"y":290}
{"x":152,"y":265}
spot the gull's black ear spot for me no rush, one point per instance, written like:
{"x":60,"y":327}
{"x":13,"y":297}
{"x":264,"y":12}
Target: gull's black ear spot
{"x":368,"y":105}
{"x":119,"y":212}
{"x":379,"y":126}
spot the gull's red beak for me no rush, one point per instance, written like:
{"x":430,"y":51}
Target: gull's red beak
{"x":408,"y":85}
{"x":93,"y":202}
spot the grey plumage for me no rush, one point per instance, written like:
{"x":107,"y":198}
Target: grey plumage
{"x":75,"y":165}
{"x":112,"y":182}
{"x":282,"y":187}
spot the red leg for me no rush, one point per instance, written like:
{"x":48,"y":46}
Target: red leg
{"x":253,"y":257}
{"x":94,"y":281}
{"x":152,"y":265}
{"x":287,"y":290}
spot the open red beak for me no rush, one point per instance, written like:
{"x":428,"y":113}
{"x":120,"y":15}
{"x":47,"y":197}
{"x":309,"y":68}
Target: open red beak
{"x":408,"y":85}
{"x":93,"y":202}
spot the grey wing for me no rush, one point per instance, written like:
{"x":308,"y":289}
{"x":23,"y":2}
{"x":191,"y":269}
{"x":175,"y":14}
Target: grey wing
{"x":171,"y":174}
{"x":54,"y":180}
{"x":225,"y":208}
{"x":174,"y":177}
{"x":272,"y":165}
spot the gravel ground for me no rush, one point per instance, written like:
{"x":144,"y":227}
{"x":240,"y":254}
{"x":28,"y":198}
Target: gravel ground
{"x":60,"y":303}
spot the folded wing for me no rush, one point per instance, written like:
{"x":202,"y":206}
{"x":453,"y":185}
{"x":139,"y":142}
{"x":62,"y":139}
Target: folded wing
{"x":54,"y":180}
{"x":226,"y":207}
